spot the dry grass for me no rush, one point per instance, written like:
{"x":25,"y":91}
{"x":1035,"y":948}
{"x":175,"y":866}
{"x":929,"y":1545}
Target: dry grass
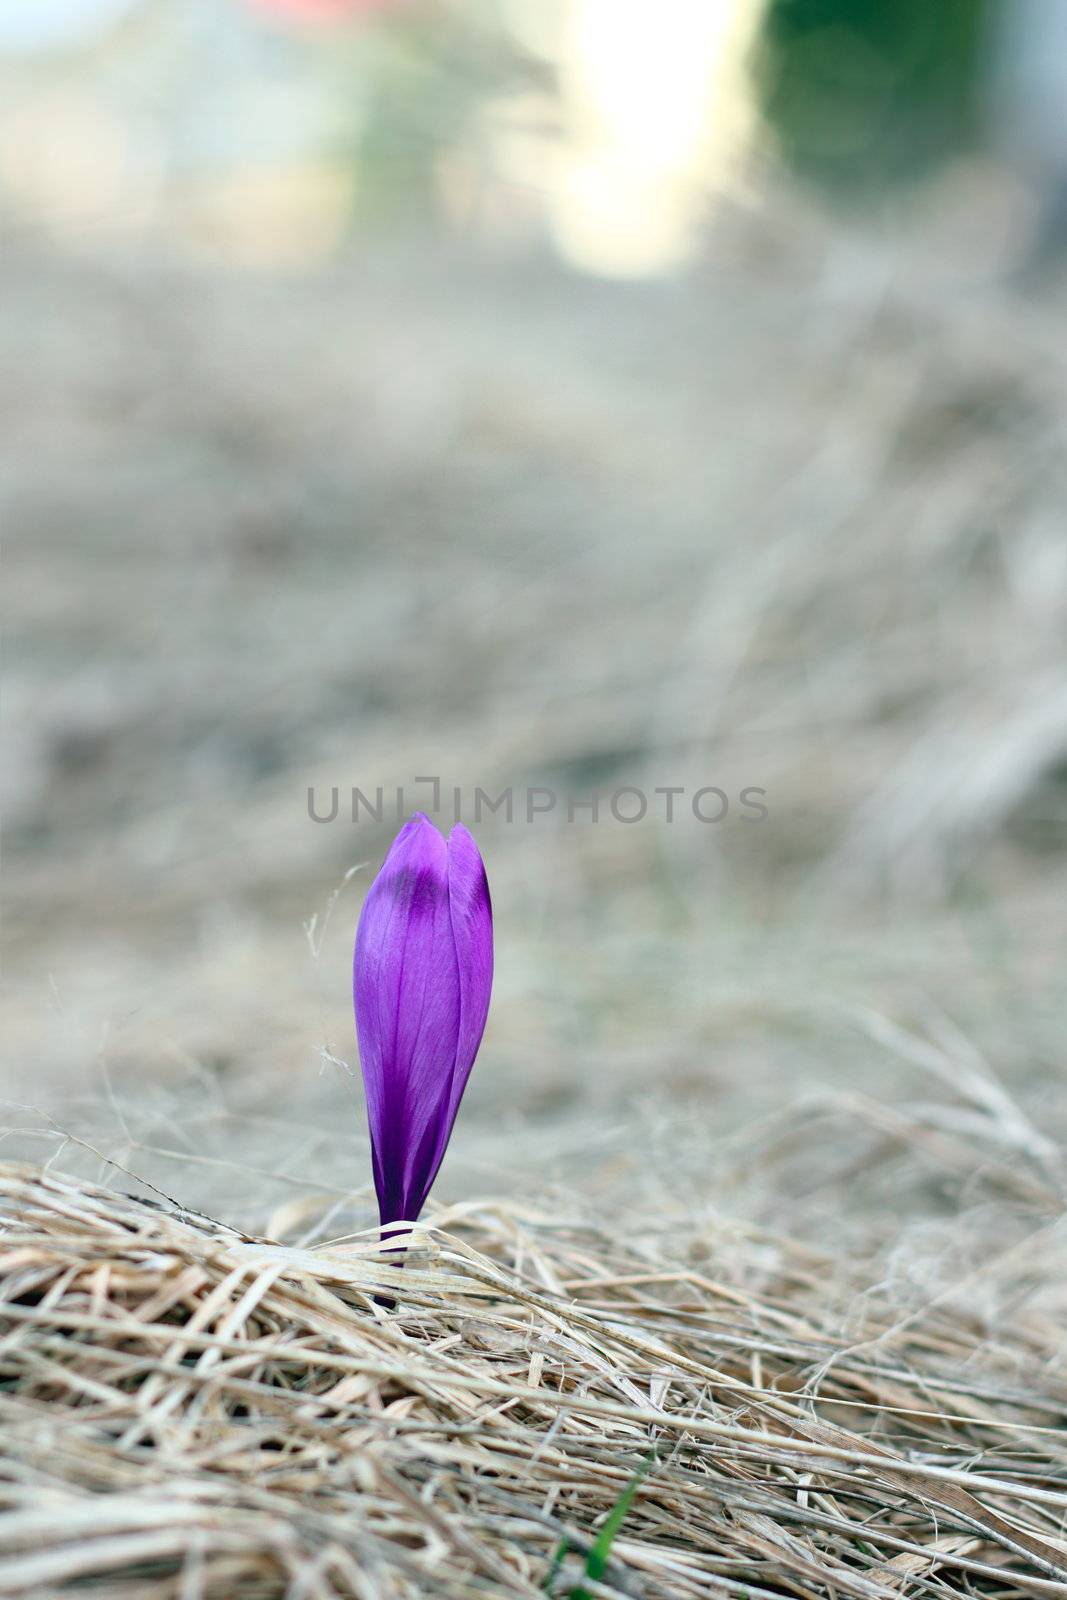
{"x":190,"y":1411}
{"x":795,"y":523}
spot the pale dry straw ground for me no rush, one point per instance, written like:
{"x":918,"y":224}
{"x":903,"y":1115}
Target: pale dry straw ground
{"x":191,"y":1411}
{"x":758,"y":1171}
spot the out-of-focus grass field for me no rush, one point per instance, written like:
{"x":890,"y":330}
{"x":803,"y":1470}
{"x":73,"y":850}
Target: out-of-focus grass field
{"x":535,"y":396}
{"x":304,"y":490}
{"x":783,"y":525}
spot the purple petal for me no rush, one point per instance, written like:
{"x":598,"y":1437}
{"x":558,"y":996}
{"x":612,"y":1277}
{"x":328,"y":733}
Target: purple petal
{"x":472,"y":929}
{"x":472,"y":932}
{"x":408,"y":1008}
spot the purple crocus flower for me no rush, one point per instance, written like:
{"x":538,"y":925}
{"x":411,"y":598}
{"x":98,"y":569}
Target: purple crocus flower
{"x":422,"y":975}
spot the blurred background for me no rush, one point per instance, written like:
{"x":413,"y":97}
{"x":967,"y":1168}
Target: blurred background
{"x":571,"y":393}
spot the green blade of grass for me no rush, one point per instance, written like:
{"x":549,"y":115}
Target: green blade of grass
{"x":596,"y":1562}
{"x":557,"y":1561}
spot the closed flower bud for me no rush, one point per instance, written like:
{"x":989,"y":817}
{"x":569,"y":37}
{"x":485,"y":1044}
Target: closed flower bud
{"x":422,"y":976}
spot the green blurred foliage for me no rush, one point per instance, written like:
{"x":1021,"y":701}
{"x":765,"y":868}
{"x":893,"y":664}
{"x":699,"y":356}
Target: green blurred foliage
{"x":430,"y":75}
{"x":859,"y":94}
